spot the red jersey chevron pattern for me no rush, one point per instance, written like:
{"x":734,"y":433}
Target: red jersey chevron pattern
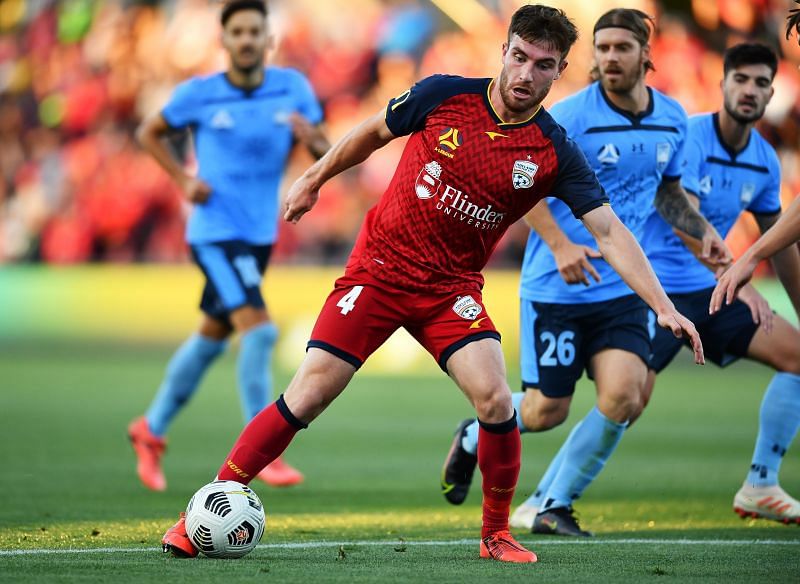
{"x":463,"y":179}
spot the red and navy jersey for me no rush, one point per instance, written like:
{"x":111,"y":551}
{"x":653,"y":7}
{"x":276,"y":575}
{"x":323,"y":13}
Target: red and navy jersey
{"x":464,"y":177}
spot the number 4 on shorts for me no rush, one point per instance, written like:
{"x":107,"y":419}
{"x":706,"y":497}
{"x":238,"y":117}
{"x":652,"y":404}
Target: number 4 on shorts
{"x":348,"y":301}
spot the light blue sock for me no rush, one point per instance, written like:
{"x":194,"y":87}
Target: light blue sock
{"x":777,"y":425}
{"x":537,"y":498}
{"x":184,"y":372}
{"x":470,"y":440}
{"x":254,"y":369}
{"x":586,"y":451}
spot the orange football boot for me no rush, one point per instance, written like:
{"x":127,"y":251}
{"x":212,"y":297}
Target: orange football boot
{"x":280,"y":474}
{"x":502,"y":546}
{"x":176,"y":541}
{"x":149,"y":449}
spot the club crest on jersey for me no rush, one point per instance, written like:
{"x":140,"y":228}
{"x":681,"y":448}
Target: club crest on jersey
{"x":523,"y":173}
{"x":663,"y":153}
{"x":747,"y":192}
{"x":467,"y":308}
{"x":428,"y":182}
{"x":449,"y":140}
{"x":608,"y":155}
{"x":222,"y":120}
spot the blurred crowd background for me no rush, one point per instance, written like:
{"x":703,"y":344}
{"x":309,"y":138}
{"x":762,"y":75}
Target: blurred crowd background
{"x":77,"y":76}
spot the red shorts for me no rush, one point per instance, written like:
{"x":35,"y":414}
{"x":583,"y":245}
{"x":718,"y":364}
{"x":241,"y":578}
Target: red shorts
{"x":362,"y":313}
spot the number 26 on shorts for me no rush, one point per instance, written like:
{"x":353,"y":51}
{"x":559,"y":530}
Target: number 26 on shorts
{"x":558,"y":350}
{"x":348,"y":301}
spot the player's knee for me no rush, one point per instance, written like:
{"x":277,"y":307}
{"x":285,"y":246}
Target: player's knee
{"x":621,"y":407}
{"x":789,"y":362}
{"x":540,"y":417}
{"x":494,"y":406}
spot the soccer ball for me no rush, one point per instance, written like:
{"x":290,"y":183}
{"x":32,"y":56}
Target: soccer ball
{"x":225,"y":519}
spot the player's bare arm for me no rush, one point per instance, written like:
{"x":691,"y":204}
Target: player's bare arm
{"x":150,"y":134}
{"x":674,"y":206}
{"x":309,"y":135}
{"x":760,"y":309}
{"x":572,"y":260}
{"x":783,"y":234}
{"x":620,"y":248}
{"x":786,"y":262}
{"x":353,"y":148}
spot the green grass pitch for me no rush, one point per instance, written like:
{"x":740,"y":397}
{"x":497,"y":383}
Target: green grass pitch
{"x":370,"y":511}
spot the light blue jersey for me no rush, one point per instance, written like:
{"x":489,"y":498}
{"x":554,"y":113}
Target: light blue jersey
{"x":631,"y":156}
{"x":242,"y":140}
{"x":726,"y":183}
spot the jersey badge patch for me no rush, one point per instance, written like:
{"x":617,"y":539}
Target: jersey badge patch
{"x":663,"y":153}
{"x":449,"y":141}
{"x":706,"y":184}
{"x":428,"y":182}
{"x":467,"y":308}
{"x":608,"y":155}
{"x":222,"y":120}
{"x":747,"y":193}
{"x":523,"y":173}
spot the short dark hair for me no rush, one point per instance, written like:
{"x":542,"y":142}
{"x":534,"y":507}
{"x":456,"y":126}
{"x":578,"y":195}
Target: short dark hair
{"x":235,"y":6}
{"x":793,"y":22}
{"x":750,"y":54}
{"x":535,"y":23}
{"x":639,"y":23}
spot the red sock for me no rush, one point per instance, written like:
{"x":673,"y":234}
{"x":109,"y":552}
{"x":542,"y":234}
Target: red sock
{"x":499,"y":449}
{"x":262,"y":441}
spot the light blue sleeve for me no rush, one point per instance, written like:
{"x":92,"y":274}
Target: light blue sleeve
{"x":563,"y":113}
{"x":182,"y":109}
{"x":675,"y":166}
{"x":768,"y":201}
{"x":307,"y":103}
{"x":693,"y":157}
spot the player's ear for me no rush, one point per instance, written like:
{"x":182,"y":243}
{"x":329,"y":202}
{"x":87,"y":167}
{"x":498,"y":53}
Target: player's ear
{"x":505,"y":50}
{"x":561,"y":66}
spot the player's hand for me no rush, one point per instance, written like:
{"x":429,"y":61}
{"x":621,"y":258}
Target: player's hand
{"x":196,"y":190}
{"x":572,"y":261}
{"x":301,"y":198}
{"x":683,"y":327}
{"x":714,"y":251}
{"x":759,"y":307}
{"x":730,"y":282}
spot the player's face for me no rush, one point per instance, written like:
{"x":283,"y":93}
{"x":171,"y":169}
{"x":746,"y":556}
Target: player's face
{"x":620,"y":59}
{"x":747,"y":91}
{"x":245,"y":37}
{"x":529,"y":70}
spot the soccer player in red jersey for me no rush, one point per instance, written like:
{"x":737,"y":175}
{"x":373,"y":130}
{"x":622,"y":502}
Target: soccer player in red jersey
{"x":481,"y":153}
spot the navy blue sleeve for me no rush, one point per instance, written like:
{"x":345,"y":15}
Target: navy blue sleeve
{"x":406,"y":113}
{"x":576,"y":184}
